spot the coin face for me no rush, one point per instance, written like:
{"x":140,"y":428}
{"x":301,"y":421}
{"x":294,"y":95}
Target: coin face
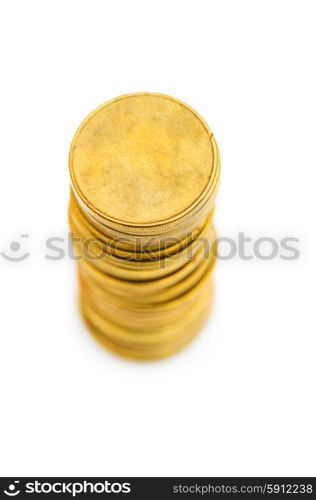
{"x":141,"y":159}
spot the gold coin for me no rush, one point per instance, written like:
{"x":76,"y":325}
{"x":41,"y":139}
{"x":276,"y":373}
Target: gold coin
{"x":147,"y":292}
{"x":139,"y":319}
{"x":127,"y":247}
{"x":142,"y":160}
{"x":144,"y":270}
{"x":150,"y":345}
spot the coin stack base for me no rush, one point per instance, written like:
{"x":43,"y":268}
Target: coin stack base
{"x":144,"y":175}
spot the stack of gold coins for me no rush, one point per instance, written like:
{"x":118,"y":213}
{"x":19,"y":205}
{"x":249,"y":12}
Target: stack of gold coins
{"x":144,"y":174}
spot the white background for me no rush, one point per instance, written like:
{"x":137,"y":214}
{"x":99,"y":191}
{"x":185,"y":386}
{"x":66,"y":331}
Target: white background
{"x":241,"y":399}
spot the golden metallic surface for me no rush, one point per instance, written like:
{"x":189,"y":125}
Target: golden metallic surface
{"x":148,"y":292}
{"x":143,"y":316}
{"x":145,"y":173}
{"x":145,"y":354}
{"x":162,"y":342}
{"x":145,"y":286}
{"x":141,"y":320}
{"x":142,"y":159}
{"x":127,"y":245}
{"x":138,"y":267}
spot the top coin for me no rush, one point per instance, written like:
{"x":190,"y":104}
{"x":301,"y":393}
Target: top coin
{"x":141,"y":160}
